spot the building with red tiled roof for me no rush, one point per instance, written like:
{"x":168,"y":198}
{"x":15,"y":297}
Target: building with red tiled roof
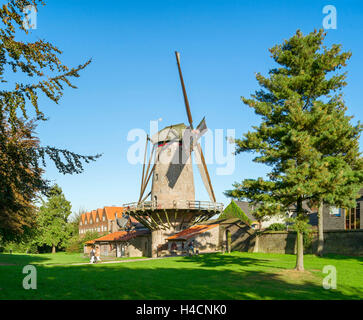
{"x":192,"y":232}
{"x":130,"y":243}
{"x":217,"y":235}
{"x":101,"y":220}
{"x":125,"y":236}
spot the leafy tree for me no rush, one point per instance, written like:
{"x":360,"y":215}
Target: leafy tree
{"x":53,"y":229}
{"x":74,"y":221}
{"x":20,"y":180}
{"x":77,"y":243}
{"x":39,"y":66}
{"x":305,"y":135}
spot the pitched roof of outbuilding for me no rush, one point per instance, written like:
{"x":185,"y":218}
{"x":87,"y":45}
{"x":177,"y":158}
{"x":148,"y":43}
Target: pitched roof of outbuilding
{"x":122,"y":235}
{"x":192,"y":231}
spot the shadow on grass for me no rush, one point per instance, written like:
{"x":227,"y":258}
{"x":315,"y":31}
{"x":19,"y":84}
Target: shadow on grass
{"x":220,"y":259}
{"x":21,"y":259}
{"x":168,"y":279}
{"x":341,"y":257}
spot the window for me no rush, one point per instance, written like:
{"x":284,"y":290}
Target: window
{"x":80,"y":223}
{"x":103,"y":218}
{"x":97,"y":219}
{"x":352,"y":218}
{"x":333,"y":211}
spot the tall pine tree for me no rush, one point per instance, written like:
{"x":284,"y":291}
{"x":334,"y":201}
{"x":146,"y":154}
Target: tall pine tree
{"x":305,"y":135}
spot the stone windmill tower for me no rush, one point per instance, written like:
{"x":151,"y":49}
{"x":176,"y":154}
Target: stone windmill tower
{"x":173,"y":206}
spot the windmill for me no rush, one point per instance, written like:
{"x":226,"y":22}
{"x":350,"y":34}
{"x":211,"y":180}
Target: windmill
{"x":173,"y":205}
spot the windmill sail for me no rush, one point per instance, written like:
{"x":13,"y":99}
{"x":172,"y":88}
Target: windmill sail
{"x":202,"y":167}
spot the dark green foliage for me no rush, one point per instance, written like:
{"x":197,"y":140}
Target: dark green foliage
{"x":234,"y":211}
{"x":76,"y":243}
{"x":20,"y":247}
{"x":276,"y":227}
{"x":305,"y":135}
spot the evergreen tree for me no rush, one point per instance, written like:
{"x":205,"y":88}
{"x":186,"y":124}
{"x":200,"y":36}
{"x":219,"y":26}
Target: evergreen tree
{"x":305,"y":135}
{"x":53,"y":229}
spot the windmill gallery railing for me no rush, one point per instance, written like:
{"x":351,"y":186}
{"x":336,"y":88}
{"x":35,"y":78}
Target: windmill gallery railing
{"x":175,"y":204}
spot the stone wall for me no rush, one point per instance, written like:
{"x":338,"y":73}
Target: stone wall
{"x":345,"y":242}
{"x":139,"y":247}
{"x":203,"y":242}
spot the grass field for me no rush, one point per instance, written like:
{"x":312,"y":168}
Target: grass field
{"x":214,"y":276}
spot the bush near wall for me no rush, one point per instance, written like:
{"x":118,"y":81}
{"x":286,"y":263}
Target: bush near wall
{"x":276,"y":227}
{"x":76,"y":243}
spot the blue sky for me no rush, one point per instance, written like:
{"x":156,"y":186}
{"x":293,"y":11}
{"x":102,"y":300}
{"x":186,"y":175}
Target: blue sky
{"x":133,"y":78}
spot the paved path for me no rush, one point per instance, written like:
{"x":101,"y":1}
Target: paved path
{"x":119,"y":261}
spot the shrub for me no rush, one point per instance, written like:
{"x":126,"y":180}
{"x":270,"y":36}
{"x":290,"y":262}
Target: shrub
{"x":76,"y":243}
{"x":276,"y":227}
{"x":20,"y":247}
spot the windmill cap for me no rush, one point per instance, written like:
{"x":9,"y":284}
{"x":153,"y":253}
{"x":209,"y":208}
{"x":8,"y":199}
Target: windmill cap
{"x":173,"y":132}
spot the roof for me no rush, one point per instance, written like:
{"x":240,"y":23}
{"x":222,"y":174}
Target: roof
{"x":247,"y":208}
{"x":192,"y":231}
{"x":169,"y":133}
{"x":122,"y":235}
{"x":100,"y":213}
{"x":110,"y":212}
{"x":94,"y":213}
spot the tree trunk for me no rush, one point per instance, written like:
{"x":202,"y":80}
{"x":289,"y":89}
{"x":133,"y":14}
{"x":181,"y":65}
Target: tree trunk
{"x":300,"y":252}
{"x":256,"y":247}
{"x":53,"y":248}
{"x":320,"y":249}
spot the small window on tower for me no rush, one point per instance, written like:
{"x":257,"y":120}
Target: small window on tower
{"x":156,"y":177}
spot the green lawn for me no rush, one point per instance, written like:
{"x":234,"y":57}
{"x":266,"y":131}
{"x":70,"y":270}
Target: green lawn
{"x":214,"y":276}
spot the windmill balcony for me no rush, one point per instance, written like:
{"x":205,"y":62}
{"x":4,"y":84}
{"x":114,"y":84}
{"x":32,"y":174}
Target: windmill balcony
{"x":175,"y":204}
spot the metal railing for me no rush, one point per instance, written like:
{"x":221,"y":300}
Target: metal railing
{"x":175,"y":204}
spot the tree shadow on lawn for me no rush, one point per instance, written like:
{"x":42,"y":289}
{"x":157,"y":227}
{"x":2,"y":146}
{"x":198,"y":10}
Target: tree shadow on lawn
{"x":20,"y":259}
{"x":219,"y":259}
{"x":341,"y":257}
{"x":162,"y":280}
